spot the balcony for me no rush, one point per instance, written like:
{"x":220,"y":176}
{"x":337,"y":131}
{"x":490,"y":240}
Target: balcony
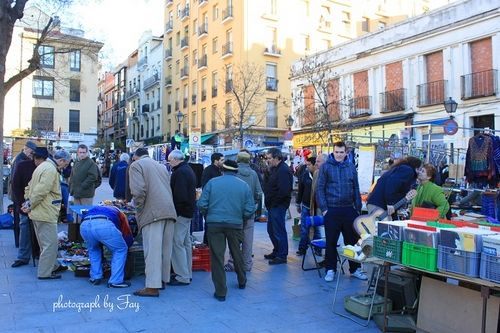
{"x":184,"y":13}
{"x":360,"y":107}
{"x":229,"y":85}
{"x":272,"y":51}
{"x":134,"y":92}
{"x":151,"y":81}
{"x":193,"y":99}
{"x":479,"y":84}
{"x":168,"y":81}
{"x":169,"y":3}
{"x":145,"y":108}
{"x":203,"y":30}
{"x":169,"y":27}
{"x":202,"y":62}
{"x":271,"y":84}
{"x":168,"y":54}
{"x":393,"y":101}
{"x":203,"y":95}
{"x":169,"y":108}
{"x":177,"y":108}
{"x":184,"y":102}
{"x":184,"y":73}
{"x":272,"y":121}
{"x":142,"y":61}
{"x":431,"y":93}
{"x":184,"y":43}
{"x":227,"y":14}
{"x":227,"y":50}
{"x":214,"y":91}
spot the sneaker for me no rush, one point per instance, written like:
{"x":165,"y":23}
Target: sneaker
{"x":119,"y":285}
{"x":330,"y":275}
{"x":359,"y":274}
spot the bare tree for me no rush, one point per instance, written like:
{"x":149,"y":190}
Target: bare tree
{"x":246,"y":85}
{"x":319,"y":103}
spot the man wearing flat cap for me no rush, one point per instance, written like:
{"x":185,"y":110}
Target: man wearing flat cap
{"x":226,"y":202}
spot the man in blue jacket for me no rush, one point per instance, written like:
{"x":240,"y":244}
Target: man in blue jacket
{"x":118,"y":176}
{"x":278,"y":194}
{"x":340,"y":203}
{"x":227,"y":202}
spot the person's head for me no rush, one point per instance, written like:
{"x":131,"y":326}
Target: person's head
{"x":40,"y":154}
{"x":274,"y":157}
{"x":311,"y":163}
{"x":229,"y":166}
{"x":413,"y":162}
{"x":62,"y":158}
{"x":140,"y":152}
{"x":339,"y":151}
{"x":29,"y":148}
{"x":82,"y":152}
{"x":426,"y":173}
{"x":175,"y":157}
{"x":217,"y":159}
{"x":320,"y":159}
{"x":124,"y":157}
{"x":243,"y":157}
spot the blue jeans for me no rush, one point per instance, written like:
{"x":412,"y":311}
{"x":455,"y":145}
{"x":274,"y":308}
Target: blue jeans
{"x":277,"y":231}
{"x":98,"y":231}
{"x":24,"y":252}
{"x":304,"y":232}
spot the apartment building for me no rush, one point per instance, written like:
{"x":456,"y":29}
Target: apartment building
{"x":105,"y":126}
{"x":207,"y":42}
{"x":58,"y":101}
{"x":400,"y":76}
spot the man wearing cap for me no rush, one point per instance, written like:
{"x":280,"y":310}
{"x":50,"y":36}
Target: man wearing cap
{"x":25,"y":154}
{"x":227,"y":202}
{"x":84,"y":177}
{"x":156,"y":215}
{"x":43,"y":202}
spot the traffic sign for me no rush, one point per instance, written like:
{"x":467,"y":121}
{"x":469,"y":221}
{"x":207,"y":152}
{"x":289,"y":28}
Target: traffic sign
{"x":129,"y":143}
{"x":195,"y":138}
{"x":450,"y":127}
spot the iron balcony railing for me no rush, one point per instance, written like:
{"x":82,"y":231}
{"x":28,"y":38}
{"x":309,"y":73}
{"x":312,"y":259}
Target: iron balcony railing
{"x":193,"y":99}
{"x":151,"y":81}
{"x":271,"y":84}
{"x":184,"y":13}
{"x":132,"y":93}
{"x":229,"y":85}
{"x":273,"y":49}
{"x":431,"y":93}
{"x":214,"y":91}
{"x":169,"y":108}
{"x":203,"y":95}
{"x":272,"y":121}
{"x":227,"y":48}
{"x":184,"y":72}
{"x":184,"y":42}
{"x":479,"y":84}
{"x":393,"y":101}
{"x":143,"y":61}
{"x":227,"y":13}
{"x":168,"y":54}
{"x":185,"y":102}
{"x":168,"y":81}
{"x":360,"y":107}
{"x":203,"y":29}
{"x":169,"y":27}
{"x":202,"y":62}
{"x":177,"y":105}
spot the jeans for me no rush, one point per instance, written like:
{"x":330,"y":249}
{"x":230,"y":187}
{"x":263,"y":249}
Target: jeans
{"x":97,"y":231}
{"x":304,"y":231}
{"x":24,"y":252}
{"x":277,"y":231}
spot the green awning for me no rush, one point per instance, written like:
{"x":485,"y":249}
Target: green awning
{"x":206,"y":137}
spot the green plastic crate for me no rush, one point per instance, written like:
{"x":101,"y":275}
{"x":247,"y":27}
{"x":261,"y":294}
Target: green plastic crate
{"x":389,"y":249}
{"x":441,"y":225}
{"x":420,"y":256}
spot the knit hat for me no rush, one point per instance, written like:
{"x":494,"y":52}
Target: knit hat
{"x":41,"y":152}
{"x":141,"y":152}
{"x":230,"y":165}
{"x":243,"y":157}
{"x":31,"y":145}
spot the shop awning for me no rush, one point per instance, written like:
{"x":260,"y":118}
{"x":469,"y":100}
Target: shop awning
{"x":434,"y":122}
{"x":206,"y":137}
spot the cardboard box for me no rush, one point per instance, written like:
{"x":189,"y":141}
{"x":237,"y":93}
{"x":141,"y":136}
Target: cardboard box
{"x":466,"y":239}
{"x":491,"y":245}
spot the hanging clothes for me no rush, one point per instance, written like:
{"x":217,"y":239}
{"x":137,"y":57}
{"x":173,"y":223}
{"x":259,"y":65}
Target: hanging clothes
{"x":479,"y":164}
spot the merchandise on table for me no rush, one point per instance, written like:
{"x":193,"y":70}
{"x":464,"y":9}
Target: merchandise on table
{"x":421,"y":237}
{"x":491,"y":245}
{"x":458,"y":261}
{"x":391,"y":229}
{"x":467,"y":239}
{"x":490,"y":268}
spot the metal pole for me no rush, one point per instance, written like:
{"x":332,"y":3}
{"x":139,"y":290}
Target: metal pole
{"x":429,"y":144}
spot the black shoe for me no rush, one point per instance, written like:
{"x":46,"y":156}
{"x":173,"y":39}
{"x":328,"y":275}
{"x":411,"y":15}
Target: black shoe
{"x":50,"y":277}
{"x":175,"y":282}
{"x":220,"y":298}
{"x":18,"y":263}
{"x":242,"y":285}
{"x":277,"y":261}
{"x":60,"y":269}
{"x":95,"y":282}
{"x":300,"y":253}
{"x":269,"y":256}
{"x":119,"y":285}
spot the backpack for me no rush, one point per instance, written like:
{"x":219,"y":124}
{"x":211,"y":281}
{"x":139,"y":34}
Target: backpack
{"x":99,"y":177}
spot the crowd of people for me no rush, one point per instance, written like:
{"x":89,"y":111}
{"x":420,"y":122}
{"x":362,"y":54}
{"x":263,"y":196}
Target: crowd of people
{"x":166,"y":201}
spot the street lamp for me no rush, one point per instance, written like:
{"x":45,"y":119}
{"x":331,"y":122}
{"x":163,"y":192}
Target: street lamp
{"x":450,"y":106}
{"x":289,"y":121}
{"x":180,"y":117}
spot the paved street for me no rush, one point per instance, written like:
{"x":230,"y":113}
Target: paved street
{"x":277,"y":299}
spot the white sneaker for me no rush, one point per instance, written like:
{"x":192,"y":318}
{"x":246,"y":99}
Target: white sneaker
{"x":359,"y":274}
{"x":330,"y":274}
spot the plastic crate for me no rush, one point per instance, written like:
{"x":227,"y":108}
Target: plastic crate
{"x":490,"y":268}
{"x":420,"y":256}
{"x":390,"y":249}
{"x":424,"y":214}
{"x":201,"y":259}
{"x":458,"y":261}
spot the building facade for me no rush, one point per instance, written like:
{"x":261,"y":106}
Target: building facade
{"x":400,"y":76}
{"x":207,"y":43}
{"x":58,"y":101}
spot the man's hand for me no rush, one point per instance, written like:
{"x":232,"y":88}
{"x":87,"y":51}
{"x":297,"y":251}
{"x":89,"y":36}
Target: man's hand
{"x":390,"y":209}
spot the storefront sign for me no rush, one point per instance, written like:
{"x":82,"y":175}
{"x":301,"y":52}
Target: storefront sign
{"x":450,"y":127}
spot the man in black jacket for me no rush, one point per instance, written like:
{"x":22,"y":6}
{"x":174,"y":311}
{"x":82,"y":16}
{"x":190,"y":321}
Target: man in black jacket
{"x":213,"y":170}
{"x":183,"y":184}
{"x":278,"y":194}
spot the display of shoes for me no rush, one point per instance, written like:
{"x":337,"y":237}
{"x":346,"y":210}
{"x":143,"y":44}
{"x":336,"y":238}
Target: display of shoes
{"x":359,"y":274}
{"x":330,"y":275}
{"x":277,"y":261}
{"x":147,"y":292}
{"x":18,"y":263}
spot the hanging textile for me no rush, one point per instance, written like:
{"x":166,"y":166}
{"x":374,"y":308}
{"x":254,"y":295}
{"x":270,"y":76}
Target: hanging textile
{"x":479,"y":164}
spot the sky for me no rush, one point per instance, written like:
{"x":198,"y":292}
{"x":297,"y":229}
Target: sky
{"x":117,"y":23}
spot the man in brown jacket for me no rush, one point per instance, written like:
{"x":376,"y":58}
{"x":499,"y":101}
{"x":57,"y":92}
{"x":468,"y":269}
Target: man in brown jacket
{"x":156,"y":215}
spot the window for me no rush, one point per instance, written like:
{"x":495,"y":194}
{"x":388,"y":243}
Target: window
{"x":43,"y":87}
{"x":194,"y":120}
{"x":346,"y":20}
{"x":365,"y":24}
{"x":195,"y":57}
{"x":74,"y":60}
{"x":74,"y":121}
{"x":46,"y":56}
{"x":74,"y":90}
{"x":178,"y":38}
{"x":215,"y":12}
{"x":203,"y":88}
{"x":229,"y":115}
{"x":203,"y":120}
{"x":179,"y":10}
{"x":271,"y":81}
{"x":195,"y":26}
{"x":271,"y":113}
{"x":214,"y":45}
{"x":42,"y":119}
{"x":214,"y":117}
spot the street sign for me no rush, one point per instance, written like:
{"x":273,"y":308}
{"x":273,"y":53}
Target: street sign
{"x":129,"y":143}
{"x":194,"y":139}
{"x":450,"y":127}
{"x":288,"y":135}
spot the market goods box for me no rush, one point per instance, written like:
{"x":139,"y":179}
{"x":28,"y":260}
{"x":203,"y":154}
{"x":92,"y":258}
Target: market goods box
{"x":391,"y":229}
{"x":467,"y":239}
{"x":458,"y":261}
{"x":491,"y":245}
{"x":423,"y":237}
{"x":359,"y":305}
